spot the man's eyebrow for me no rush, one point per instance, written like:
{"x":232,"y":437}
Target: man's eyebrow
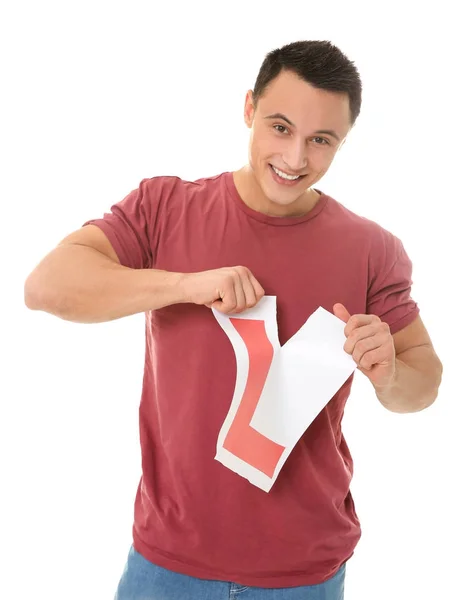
{"x":324,"y":131}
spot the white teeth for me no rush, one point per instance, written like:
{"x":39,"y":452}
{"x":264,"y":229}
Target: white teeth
{"x":284,"y":175}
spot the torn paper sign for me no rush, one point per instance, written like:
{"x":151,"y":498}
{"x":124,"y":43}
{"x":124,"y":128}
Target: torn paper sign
{"x":279,"y":390}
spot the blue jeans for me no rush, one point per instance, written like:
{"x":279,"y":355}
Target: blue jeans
{"x":142,"y":580}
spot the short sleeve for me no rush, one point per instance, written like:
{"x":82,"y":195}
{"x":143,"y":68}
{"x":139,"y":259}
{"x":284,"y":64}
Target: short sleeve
{"x":130,"y":226}
{"x":390,"y":281}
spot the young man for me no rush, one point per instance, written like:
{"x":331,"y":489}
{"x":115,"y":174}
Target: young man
{"x":174,"y":249}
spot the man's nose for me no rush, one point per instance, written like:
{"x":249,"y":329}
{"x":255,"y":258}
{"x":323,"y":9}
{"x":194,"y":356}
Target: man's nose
{"x":295,"y":157}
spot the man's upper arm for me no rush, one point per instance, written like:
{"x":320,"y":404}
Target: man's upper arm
{"x":132,"y":225}
{"x":93,"y":237}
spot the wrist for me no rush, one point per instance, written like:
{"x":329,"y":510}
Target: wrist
{"x":179,"y":284}
{"x":167,"y":287}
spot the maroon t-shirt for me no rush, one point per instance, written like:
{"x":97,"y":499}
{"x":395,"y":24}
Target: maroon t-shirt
{"x":192,"y":514}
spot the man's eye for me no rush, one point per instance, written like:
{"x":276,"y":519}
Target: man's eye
{"x":283,"y":129}
{"x":325,"y":142}
{"x":282,"y":126}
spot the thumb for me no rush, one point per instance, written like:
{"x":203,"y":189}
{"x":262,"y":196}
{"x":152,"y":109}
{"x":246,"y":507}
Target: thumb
{"x":340,"y":311}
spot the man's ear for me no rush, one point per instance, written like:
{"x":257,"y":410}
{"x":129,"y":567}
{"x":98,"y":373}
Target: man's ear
{"x":249,"y":109}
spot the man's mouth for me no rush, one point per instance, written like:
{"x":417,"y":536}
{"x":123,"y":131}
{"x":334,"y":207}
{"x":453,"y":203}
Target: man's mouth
{"x":284,"y":178}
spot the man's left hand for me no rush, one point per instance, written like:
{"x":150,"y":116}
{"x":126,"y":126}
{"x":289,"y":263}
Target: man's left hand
{"x":370,"y":343}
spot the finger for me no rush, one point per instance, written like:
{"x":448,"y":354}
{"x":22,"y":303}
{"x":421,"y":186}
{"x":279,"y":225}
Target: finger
{"x":227,"y":303}
{"x":363,"y":347}
{"x":249,"y":292}
{"x":232,"y":298}
{"x":259,"y":291}
{"x":358,"y":334}
{"x":369,"y":359}
{"x":220,"y":306}
{"x":357,"y":321}
{"x":229,"y":298}
{"x":377,"y":345}
{"x":239,"y":292}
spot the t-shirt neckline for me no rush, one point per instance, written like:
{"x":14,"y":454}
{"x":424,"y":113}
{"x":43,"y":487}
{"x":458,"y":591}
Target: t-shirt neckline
{"x":269,"y":219}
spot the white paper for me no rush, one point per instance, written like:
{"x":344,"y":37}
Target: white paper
{"x":281,"y":389}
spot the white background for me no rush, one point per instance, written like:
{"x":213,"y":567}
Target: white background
{"x":99,"y":95}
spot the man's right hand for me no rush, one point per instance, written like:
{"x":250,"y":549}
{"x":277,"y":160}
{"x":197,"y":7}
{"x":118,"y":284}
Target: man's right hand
{"x":229,"y":290}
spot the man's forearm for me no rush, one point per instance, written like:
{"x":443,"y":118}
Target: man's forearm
{"x":416,"y":383}
{"x":79,"y":284}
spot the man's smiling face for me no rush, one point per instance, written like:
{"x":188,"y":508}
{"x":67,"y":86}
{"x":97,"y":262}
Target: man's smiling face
{"x":296,"y":129}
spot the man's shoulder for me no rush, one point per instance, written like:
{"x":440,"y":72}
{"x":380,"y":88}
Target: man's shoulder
{"x":358,"y":221}
{"x":158,"y":181}
{"x":174,"y":190}
{"x":362,"y":232}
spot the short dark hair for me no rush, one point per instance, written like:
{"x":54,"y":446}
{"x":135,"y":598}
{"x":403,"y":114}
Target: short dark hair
{"x":319,"y":63}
